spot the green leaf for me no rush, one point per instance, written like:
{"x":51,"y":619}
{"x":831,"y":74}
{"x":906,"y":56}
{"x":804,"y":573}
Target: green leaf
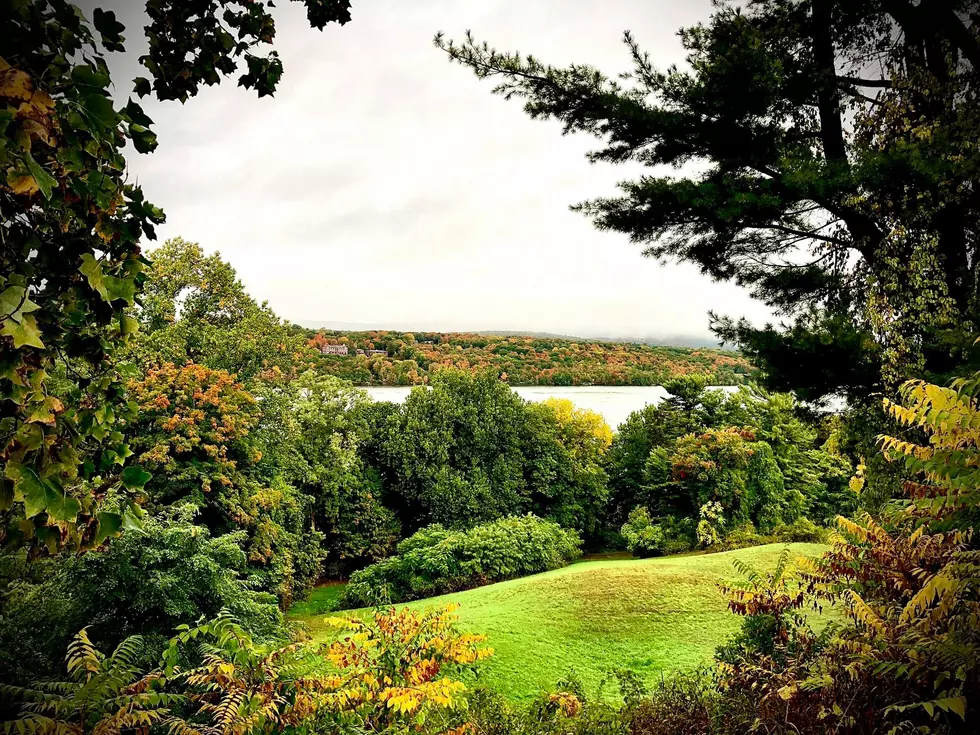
{"x":133,"y":518}
{"x":144,"y":139}
{"x":120,"y":289}
{"x":45,"y":181}
{"x":953,"y":704}
{"x":24,"y":333}
{"x":48,"y":537}
{"x":135,"y":477}
{"x":14,"y":302}
{"x":30,"y":436}
{"x":141,"y":85}
{"x":28,"y":488}
{"x":111,"y":29}
{"x":128,"y":324}
{"x":92,"y":270}
{"x":109,"y":525}
{"x":44,"y":411}
{"x":135,"y":114}
{"x":99,"y":109}
{"x":86,"y":76}
{"x":60,"y":505}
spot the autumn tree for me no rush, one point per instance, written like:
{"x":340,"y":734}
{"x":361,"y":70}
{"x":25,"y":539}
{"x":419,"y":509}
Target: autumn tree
{"x":71,"y":263}
{"x":824,"y":158}
{"x":196,"y":434}
{"x":567,"y":459}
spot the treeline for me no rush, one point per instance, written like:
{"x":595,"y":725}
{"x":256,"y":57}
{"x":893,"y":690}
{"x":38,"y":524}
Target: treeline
{"x":412,"y":357}
{"x":258,"y":475}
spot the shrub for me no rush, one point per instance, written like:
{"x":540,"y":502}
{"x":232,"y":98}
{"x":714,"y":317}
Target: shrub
{"x":170,"y":572}
{"x":802,"y":530}
{"x":104,"y":693}
{"x":669,"y":535}
{"x":435,"y":561}
{"x":682,"y":705}
{"x":711,"y":523}
{"x":742,"y":536}
{"x":396,"y":673}
{"x":643,"y":537}
{"x":565,"y":711}
{"x":904,"y":658}
{"x":145,"y":583}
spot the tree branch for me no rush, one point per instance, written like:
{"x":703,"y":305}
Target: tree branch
{"x":858,"y":82}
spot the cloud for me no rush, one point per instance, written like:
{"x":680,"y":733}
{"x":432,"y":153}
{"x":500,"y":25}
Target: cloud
{"x":383,"y":184}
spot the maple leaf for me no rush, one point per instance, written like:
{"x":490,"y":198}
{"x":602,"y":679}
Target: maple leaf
{"x":24,"y":333}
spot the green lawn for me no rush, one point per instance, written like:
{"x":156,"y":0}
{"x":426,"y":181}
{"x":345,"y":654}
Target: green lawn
{"x":652,"y":616}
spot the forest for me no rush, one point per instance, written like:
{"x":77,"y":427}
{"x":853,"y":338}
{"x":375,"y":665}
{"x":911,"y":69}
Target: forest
{"x":411,"y":357}
{"x":205,"y":529}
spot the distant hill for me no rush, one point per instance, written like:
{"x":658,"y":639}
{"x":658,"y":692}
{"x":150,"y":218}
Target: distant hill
{"x":389,"y":357}
{"x":676,"y":340}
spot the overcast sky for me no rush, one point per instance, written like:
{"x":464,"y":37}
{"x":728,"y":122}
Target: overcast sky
{"x":384,"y":185}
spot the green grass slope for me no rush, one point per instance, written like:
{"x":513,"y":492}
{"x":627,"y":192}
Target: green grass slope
{"x":651,"y":616}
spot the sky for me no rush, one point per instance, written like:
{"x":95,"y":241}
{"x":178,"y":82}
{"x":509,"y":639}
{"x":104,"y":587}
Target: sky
{"x":384,"y":186}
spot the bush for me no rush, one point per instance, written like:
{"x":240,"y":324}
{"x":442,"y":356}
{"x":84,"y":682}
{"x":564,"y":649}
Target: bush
{"x":802,"y":530}
{"x":643,"y":537}
{"x":435,"y":560}
{"x":171,"y":572}
{"x":146,"y":583}
{"x":565,"y":711}
{"x":684,"y":705}
{"x":742,"y":536}
{"x":646,"y":538}
{"x":711,"y":524}
{"x":679,"y":534}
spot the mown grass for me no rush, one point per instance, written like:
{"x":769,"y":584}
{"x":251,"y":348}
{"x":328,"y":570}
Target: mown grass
{"x":651,"y":616}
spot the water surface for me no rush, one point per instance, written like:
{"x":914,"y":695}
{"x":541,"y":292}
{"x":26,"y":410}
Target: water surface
{"x":613,"y":402}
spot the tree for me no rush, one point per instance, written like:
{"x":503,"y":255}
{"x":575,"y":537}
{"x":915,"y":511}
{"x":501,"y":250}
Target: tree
{"x":456,"y":452}
{"x":835,"y":174}
{"x":195,"y":430}
{"x":323,"y":422}
{"x":688,"y":409}
{"x":469,"y":450}
{"x":195,"y":308}
{"x":70,"y":259}
{"x":566,"y":452}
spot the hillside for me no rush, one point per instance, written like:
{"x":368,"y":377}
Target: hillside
{"x":650,"y":616}
{"x":406,"y":358}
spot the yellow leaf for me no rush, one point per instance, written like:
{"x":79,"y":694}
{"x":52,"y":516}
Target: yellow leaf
{"x":15,"y":84}
{"x":21,"y":183}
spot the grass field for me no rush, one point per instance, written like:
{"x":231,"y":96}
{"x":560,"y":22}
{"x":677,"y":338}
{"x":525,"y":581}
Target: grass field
{"x":652,"y":616}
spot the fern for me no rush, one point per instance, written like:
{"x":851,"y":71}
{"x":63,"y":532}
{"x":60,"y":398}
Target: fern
{"x":104,"y":695}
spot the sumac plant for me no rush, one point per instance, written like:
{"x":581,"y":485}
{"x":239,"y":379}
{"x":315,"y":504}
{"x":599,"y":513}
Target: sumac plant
{"x":904,"y":659}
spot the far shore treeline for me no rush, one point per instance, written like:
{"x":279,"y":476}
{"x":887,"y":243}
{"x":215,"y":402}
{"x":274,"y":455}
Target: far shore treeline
{"x":385,"y":357}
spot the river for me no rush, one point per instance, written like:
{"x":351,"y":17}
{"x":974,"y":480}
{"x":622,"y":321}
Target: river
{"x":613,"y":402}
